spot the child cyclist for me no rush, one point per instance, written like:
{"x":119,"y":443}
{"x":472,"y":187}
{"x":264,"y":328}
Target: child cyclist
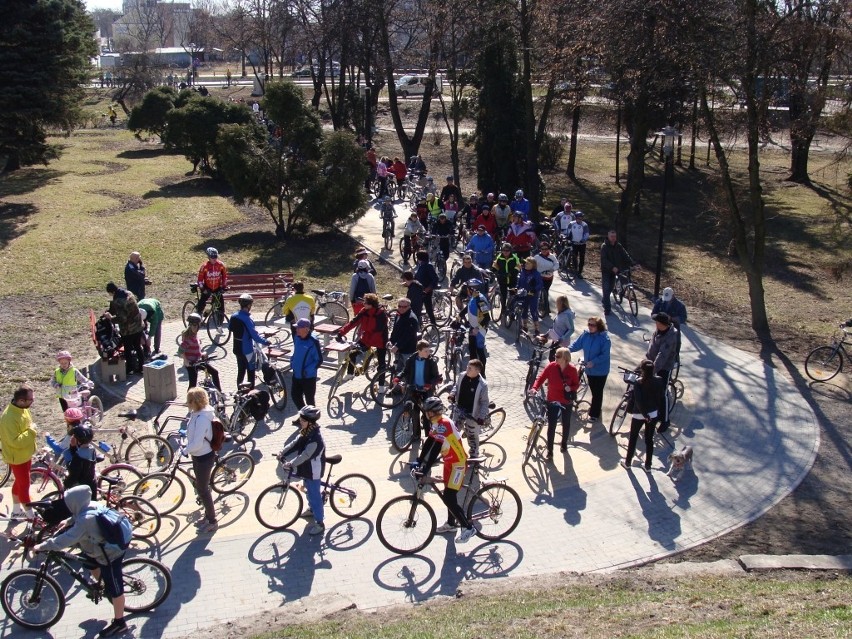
{"x":66,"y":379}
{"x":445,"y":440}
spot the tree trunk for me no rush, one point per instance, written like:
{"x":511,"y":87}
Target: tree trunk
{"x":572,"y":149}
{"x":800,"y":149}
{"x":637,"y":118}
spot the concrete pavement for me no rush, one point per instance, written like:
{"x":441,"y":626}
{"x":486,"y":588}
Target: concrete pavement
{"x":754,"y":438}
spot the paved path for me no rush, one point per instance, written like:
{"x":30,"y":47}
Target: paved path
{"x":754,"y":438}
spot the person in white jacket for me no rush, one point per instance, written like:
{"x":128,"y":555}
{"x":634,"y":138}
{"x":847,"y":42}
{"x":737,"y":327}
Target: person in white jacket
{"x":199,"y":434}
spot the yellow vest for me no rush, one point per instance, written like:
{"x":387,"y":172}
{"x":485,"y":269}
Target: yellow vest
{"x":67,"y":381}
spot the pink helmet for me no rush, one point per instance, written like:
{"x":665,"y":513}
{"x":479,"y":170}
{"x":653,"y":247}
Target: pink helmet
{"x":63,"y":355}
{"x":74,"y":415}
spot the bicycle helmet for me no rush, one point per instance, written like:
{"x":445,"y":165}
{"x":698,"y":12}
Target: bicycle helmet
{"x":193,"y":318}
{"x":519,"y":193}
{"x":429,"y":179}
{"x":434,"y":404}
{"x":506,"y":247}
{"x":63,"y":355}
{"x":73,"y":415}
{"x":503,"y":197}
{"x":473,"y":196}
{"x":309,"y":413}
{"x":211,"y":252}
{"x":474,"y":283}
{"x":246,"y":300}
{"x":83,"y":434}
{"x":387,"y":198}
{"x":578,"y":214}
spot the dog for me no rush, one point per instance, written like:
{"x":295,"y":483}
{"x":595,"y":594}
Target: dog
{"x":679,"y":460}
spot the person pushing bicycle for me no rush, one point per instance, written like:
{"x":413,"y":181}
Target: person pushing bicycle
{"x":309,"y":463}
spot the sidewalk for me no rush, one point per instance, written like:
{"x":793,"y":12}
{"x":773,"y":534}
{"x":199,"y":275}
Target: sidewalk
{"x":754,"y":439}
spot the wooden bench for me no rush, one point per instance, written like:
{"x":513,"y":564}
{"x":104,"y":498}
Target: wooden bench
{"x":259,"y":285}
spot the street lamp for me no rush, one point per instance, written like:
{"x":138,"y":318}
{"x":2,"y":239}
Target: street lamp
{"x":365,"y":92}
{"x":669,"y":134}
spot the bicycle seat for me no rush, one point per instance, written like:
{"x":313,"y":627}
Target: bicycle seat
{"x":131,"y":414}
{"x":245,"y":387}
{"x":334,"y":459}
{"x":112,"y":481}
{"x":318,"y":291}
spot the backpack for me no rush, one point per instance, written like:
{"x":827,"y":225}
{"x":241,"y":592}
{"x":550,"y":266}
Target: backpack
{"x":218,"y":439}
{"x":108,"y":337}
{"x":484,"y":310}
{"x":115,"y":527}
{"x":362,"y":287}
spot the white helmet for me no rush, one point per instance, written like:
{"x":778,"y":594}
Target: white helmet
{"x":519,"y":193}
{"x":668,"y":294}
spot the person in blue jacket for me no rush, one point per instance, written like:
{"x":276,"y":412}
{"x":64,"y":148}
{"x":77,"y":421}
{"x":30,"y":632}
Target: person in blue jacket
{"x":595,"y":344}
{"x":245,"y":334}
{"x":672,"y":306}
{"x":481,"y":245}
{"x":521,"y":205}
{"x":530,"y":281}
{"x":304,"y":363}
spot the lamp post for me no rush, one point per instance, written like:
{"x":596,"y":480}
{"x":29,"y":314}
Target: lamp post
{"x":669,"y":134}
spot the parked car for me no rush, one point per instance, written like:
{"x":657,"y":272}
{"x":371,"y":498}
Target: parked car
{"x":416,"y":84}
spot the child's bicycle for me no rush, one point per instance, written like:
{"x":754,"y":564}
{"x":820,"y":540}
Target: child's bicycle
{"x":213,"y":317}
{"x":278,"y":506}
{"x":33,"y":598}
{"x":81,"y":397}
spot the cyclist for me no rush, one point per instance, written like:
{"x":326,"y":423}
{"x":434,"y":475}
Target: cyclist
{"x":414,"y":292}
{"x":564,"y":219}
{"x":66,"y":379}
{"x":471,"y":399}
{"x":487,"y":220}
{"x":478,"y":318}
{"x":467,"y":271}
{"x":125,"y":309}
{"x":426,"y":274}
{"x":563,"y":381}
{"x":190,"y":351}
{"x":212,"y":280}
{"x":430,"y":186}
{"x":309,"y":463}
{"x":470,"y":210}
{"x":421,"y":374}
{"x":373,"y":324}
{"x":417,"y":165}
{"x":451,"y":207}
{"x":361,"y":283}
{"x":578,"y":235}
{"x":104,"y":560}
{"x":646,"y":406}
{"x":152,"y":315}
{"x":410,"y":231}
{"x":614,"y":259}
{"x":382,"y":175}
{"x":387,"y":213}
{"x":403,"y":337}
{"x":671,"y":305}
{"x":563,"y":326}
{"x":506,"y":266}
{"x":433,"y":208}
{"x":399,"y":169}
{"x":451,"y":189}
{"x":299,"y":305}
{"x":547,"y":265}
{"x":521,"y":236}
{"x":245,"y":334}
{"x":662,"y":350}
{"x":445,"y":440}
{"x":521,"y":205}
{"x":531,"y":283}
{"x":502,"y":214}
{"x":80,"y":459}
{"x":482,"y":247}
{"x":596,"y":347}
{"x":18,"y":441}
{"x":444,"y":230}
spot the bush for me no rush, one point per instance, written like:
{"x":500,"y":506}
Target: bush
{"x":550,"y":151}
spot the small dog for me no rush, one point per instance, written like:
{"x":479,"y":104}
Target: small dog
{"x":679,"y":460}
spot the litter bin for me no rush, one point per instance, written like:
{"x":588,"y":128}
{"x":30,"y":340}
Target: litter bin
{"x":160,"y":381}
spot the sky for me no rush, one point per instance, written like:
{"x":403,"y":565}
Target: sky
{"x":91,"y":5}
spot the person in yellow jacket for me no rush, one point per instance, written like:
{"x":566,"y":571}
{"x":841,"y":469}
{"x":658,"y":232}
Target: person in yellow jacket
{"x":18,"y":441}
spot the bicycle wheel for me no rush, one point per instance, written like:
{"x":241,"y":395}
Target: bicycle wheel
{"x":150,"y":454}
{"x":432,"y":334}
{"x":278,"y":391}
{"x":532,"y":439}
{"x":147,"y":584}
{"x":278,"y":507}
{"x":497,"y":509}
{"x":382,"y":389}
{"x":188,"y":308}
{"x":163,"y":490}
{"x":675,"y":369}
{"x":352,"y":495}
{"x":671,"y":398}
{"x":402,"y":432}
{"x":632,"y":301}
{"x":508,"y":316}
{"x":388,"y":238}
{"x":43,"y":482}
{"x":402,"y":248}
{"x":5,"y":472}
{"x":532,"y":373}
{"x":441,"y":268}
{"x":492,"y":424}
{"x":32,"y":600}
{"x":618,"y":418}
{"x":231,"y":473}
{"x":406,"y":525}
{"x":242,"y":425}
{"x":94,"y":412}
{"x":443,"y":308}
{"x":274,"y":313}
{"x":336,"y":313}
{"x":496,"y":307}
{"x":142,"y":514}
{"x":581,"y":410}
{"x":218,"y":329}
{"x":125,"y":474}
{"x":823,"y":363}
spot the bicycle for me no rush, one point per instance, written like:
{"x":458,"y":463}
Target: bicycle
{"x":367,"y":366}
{"x":624,"y":288}
{"x":489,"y":427}
{"x":407,"y":524}
{"x":564,"y":252}
{"x":402,"y":431}
{"x":280,"y":505}
{"x":148,"y":453}
{"x":81,"y":397}
{"x":33,"y":598}
{"x":455,"y":349}
{"x":213,"y":318}
{"x":388,"y":231}
{"x":167,"y":491}
{"x":514,"y":311}
{"x":275,"y":311}
{"x":825,"y":362}
{"x":539,"y":348}
{"x":537,"y":426}
{"x":674,"y":391}
{"x":277,"y":384}
{"x":332,"y":304}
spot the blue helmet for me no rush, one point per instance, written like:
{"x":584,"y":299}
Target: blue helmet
{"x":474,"y":283}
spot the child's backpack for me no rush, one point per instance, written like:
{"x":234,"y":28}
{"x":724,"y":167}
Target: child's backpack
{"x":219,"y":435}
{"x":115,"y":527}
{"x":108,"y":337}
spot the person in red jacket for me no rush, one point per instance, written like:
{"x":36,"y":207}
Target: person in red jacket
{"x":521,"y":236}
{"x":373,"y":322}
{"x":399,"y":169}
{"x":562,"y":384}
{"x":486,"y":218}
{"x":212,"y":280}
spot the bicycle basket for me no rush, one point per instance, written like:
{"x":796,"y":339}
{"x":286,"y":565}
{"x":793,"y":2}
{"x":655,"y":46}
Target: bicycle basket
{"x":630,"y":377}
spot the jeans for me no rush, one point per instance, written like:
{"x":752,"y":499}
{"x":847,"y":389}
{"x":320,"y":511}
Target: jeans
{"x":312,"y":487}
{"x":554,"y":411}
{"x":202,"y":466}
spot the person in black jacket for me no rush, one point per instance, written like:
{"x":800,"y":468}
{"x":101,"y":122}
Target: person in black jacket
{"x":421,"y":375}
{"x":403,"y":337}
{"x":414,"y":293}
{"x":426,"y":274}
{"x":648,"y":407}
{"x":135,"y":276}
{"x":614,"y":259}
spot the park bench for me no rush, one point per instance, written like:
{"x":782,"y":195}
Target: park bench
{"x":258,"y":285}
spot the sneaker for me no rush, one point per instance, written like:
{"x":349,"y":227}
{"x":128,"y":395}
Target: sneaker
{"x":446,"y":528}
{"x":308,"y":514}
{"x":317,"y":529}
{"x":466,"y":534}
{"x":208,"y":527}
{"x":117,"y":626}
